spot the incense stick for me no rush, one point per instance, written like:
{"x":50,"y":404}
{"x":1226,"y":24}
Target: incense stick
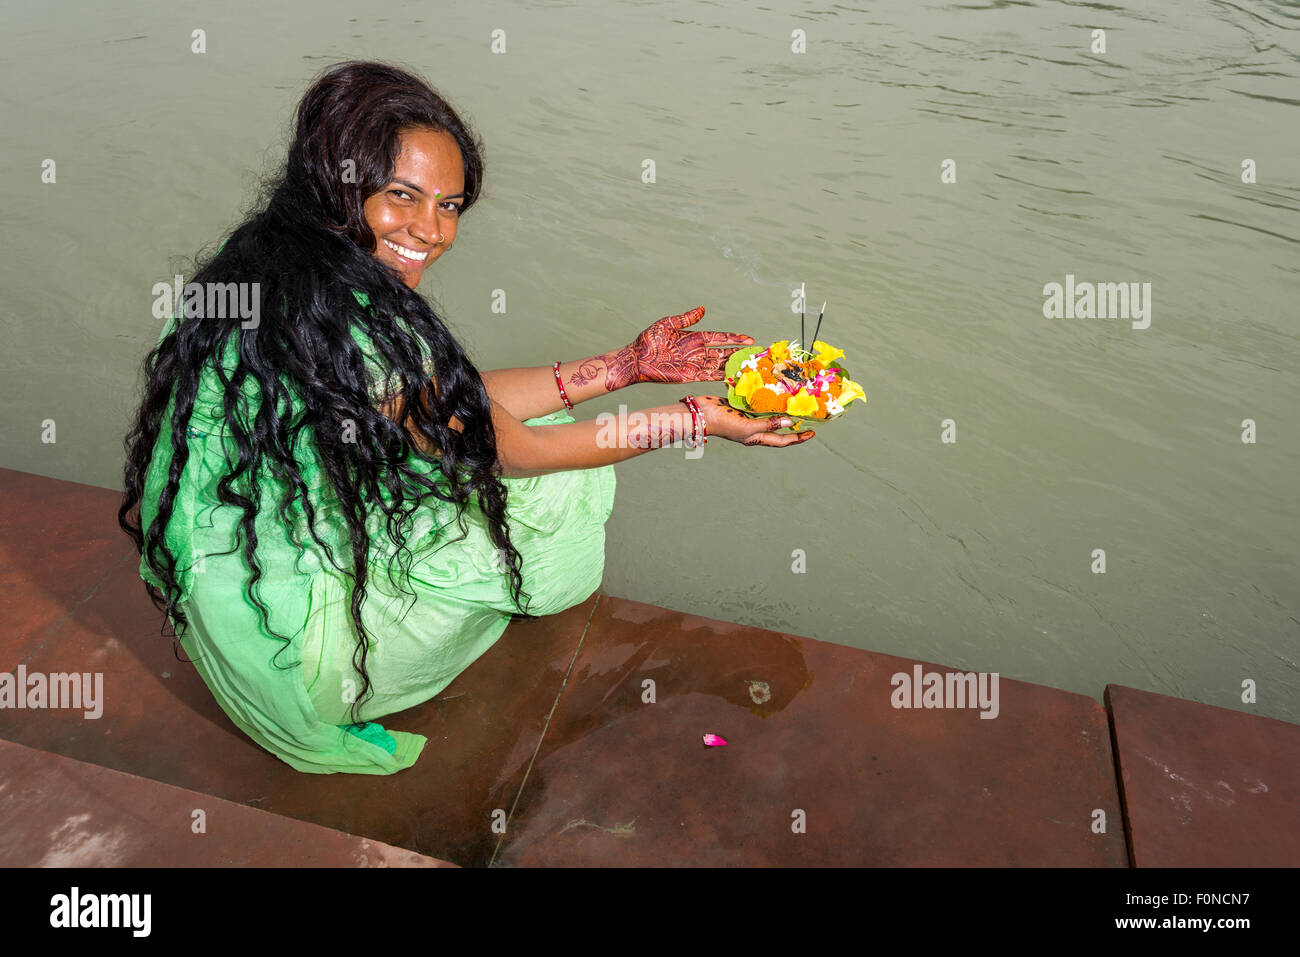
{"x":819,"y":324}
{"x":802,"y":303}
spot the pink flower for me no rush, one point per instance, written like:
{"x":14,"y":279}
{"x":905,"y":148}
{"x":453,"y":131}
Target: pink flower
{"x":713,"y":741}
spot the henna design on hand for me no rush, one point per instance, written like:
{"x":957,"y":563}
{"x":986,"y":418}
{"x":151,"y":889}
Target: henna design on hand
{"x":620,"y":369}
{"x":664,"y":353}
{"x":728,"y":413}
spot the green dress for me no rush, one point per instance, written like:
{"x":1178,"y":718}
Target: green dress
{"x":293,"y":698}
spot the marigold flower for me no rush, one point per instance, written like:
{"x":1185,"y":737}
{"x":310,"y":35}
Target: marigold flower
{"x":767,"y":400}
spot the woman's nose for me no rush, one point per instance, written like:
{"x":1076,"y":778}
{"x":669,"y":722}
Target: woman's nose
{"x":428,"y":231}
{"x":427,"y":228}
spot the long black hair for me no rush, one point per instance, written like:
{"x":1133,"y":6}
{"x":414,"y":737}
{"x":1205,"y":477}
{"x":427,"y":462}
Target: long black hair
{"x":307,"y":247}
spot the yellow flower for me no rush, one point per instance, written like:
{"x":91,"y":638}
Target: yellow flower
{"x":748,"y":384}
{"x":801,"y":403}
{"x":850,"y":390}
{"x":826,"y":354}
{"x":780,"y":351}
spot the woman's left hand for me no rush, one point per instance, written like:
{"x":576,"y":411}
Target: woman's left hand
{"x":665,"y":353}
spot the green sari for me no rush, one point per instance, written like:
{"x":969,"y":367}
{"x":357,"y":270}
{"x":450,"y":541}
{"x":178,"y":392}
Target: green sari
{"x":293,"y":698}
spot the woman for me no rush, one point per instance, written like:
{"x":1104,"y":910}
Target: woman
{"x":335,"y":509}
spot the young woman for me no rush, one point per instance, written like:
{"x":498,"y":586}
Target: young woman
{"x":336,"y":510}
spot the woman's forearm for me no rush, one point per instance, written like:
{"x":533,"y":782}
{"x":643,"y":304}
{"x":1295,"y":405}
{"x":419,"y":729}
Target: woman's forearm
{"x":525,"y":451}
{"x":530,"y":392}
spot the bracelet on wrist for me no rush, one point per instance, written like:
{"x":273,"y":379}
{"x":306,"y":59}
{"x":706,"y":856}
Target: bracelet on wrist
{"x":699,"y":433}
{"x":563,"y":395}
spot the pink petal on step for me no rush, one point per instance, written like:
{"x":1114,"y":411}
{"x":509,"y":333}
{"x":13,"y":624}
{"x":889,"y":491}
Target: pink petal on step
{"x":713,"y":741}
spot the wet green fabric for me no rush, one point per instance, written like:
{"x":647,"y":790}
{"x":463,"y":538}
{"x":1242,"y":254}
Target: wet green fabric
{"x":293,"y":697}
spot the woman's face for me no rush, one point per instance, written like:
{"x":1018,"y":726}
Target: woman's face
{"x":418,"y":209}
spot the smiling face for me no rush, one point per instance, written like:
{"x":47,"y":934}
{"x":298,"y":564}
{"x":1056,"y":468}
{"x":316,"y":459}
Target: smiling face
{"x":418,"y":209}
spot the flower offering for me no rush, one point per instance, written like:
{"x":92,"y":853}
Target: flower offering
{"x":786,"y":379}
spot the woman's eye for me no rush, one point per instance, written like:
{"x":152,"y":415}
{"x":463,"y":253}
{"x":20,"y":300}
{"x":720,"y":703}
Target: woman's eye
{"x":453,"y":207}
{"x":400,"y":193}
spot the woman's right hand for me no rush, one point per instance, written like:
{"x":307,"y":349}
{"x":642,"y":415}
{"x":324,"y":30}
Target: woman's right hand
{"x":723,"y":420}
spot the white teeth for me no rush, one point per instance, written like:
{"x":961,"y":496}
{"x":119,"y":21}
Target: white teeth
{"x":407,"y":253}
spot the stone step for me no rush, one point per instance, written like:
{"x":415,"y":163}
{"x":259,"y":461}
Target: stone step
{"x":1206,"y":786}
{"x":75,"y":814}
{"x":820,"y":768}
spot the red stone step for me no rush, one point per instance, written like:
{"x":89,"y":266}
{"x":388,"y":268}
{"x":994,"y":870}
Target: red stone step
{"x":1206,"y":786}
{"x":810,"y":728}
{"x":75,"y":814}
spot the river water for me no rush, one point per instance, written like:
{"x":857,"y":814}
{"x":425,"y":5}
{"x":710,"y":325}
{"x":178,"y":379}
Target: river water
{"x":776,"y":168}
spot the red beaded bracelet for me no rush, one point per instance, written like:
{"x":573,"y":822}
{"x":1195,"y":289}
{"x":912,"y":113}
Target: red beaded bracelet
{"x":704,"y":432}
{"x":699,"y":432}
{"x":695,"y":423}
{"x":567,"y":404}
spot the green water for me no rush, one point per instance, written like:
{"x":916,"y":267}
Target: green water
{"x":774,"y":169}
